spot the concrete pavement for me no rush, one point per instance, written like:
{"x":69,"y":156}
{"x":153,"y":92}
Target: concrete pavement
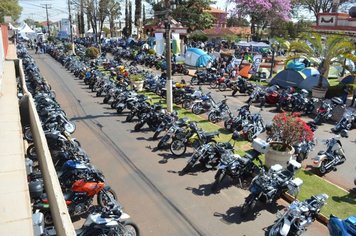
{"x":15,"y":208}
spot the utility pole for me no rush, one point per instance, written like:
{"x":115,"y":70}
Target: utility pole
{"x":70,"y":26}
{"x":47,"y":6}
{"x":167,"y":26}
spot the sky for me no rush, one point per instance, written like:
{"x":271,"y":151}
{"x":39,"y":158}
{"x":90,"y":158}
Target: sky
{"x":35,"y":9}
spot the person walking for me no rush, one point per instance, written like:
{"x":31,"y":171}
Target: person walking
{"x":353,"y":97}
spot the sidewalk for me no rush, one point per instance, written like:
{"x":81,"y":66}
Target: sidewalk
{"x":15,"y":208}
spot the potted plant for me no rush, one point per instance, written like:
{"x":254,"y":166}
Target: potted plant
{"x":287,"y":130}
{"x":137,"y":81}
{"x":333,"y":49}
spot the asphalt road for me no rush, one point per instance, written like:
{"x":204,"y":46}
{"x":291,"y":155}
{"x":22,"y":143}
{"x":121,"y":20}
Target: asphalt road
{"x":146,"y":182}
{"x":345,"y":174}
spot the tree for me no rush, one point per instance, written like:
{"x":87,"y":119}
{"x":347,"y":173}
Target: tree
{"x":316,"y":6}
{"x":138,"y":18}
{"x":334,"y":49}
{"x":114,"y":9}
{"x":195,"y":18}
{"x":262,"y":12}
{"x":10,"y":8}
{"x":234,"y":21}
{"x":289,"y":30}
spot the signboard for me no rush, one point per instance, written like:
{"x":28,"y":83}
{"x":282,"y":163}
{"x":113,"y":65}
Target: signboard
{"x":65,"y":26}
{"x":327,"y":20}
{"x":257,"y":60}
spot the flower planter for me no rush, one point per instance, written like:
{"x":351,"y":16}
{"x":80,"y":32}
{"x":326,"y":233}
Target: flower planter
{"x":138,"y":85}
{"x":278,"y":157}
{"x":319,"y":92}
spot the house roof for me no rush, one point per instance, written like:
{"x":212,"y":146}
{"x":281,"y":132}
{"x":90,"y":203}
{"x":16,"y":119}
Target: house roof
{"x":215,"y":10}
{"x":218,"y":31}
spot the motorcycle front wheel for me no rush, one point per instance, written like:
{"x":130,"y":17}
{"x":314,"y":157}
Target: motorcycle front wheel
{"x":213,"y":84}
{"x":276,"y":228}
{"x":196,"y":109}
{"x":178,"y":148}
{"x":222,"y":87}
{"x":249,"y":204}
{"x":212,"y":117}
{"x":322,"y":168}
{"x":138,"y":126}
{"x":106,"y":196}
{"x":220,"y":175}
{"x":131,"y":229}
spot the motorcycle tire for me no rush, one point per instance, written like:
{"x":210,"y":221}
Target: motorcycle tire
{"x":31,"y":152}
{"x":131,"y":229}
{"x":213,"y":118}
{"x":218,"y":179}
{"x":138,"y":126}
{"x":103,"y":198}
{"x":28,"y":135}
{"x":106,"y":100}
{"x":317,"y":120}
{"x":113,"y":104}
{"x":186,"y":104}
{"x":194,"y":80}
{"x":196,"y":109}
{"x":47,"y":218}
{"x":162,"y":142}
{"x":178,"y":148}
{"x":129,"y":117}
{"x":119,"y":110}
{"x":186,"y":169}
{"x":222,"y":87}
{"x":322,"y":168}
{"x":98,"y":93}
{"x":249,"y":204}
{"x":234,"y":92}
{"x":155,"y":135}
{"x":185,"y":72}
{"x":213,"y":84}
{"x":276,"y":228}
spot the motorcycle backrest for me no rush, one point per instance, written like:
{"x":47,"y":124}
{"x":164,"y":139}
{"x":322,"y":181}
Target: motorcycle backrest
{"x":293,"y":165}
{"x":260,"y":145}
{"x":276,"y":168}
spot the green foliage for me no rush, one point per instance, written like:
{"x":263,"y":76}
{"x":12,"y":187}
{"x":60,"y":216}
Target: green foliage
{"x":198,"y":37}
{"x":106,"y":30}
{"x":190,"y":13}
{"x":289,"y":30}
{"x":136,"y":77}
{"x":231,"y":38}
{"x":68,"y":47}
{"x":10,"y":8}
{"x":237,"y":22}
{"x":151,"y":51}
{"x":92,"y":52}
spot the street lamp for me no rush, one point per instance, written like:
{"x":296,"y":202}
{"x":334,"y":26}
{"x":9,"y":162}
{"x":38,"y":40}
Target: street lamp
{"x":167,"y":26}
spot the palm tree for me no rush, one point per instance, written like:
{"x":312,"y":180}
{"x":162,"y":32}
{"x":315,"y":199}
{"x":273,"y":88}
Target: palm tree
{"x":329,"y":50}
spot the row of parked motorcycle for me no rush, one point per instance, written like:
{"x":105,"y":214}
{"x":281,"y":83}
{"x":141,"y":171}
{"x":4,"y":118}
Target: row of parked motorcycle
{"x":79,"y":180}
{"x":209,"y":154}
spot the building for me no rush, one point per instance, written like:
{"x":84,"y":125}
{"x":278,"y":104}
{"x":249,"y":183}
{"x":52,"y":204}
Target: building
{"x":337,"y":23}
{"x":220,"y":33}
{"x":220,"y":17}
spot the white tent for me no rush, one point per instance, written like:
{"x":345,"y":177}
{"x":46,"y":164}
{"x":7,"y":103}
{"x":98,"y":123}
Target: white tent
{"x":12,"y":27}
{"x":26,"y":32}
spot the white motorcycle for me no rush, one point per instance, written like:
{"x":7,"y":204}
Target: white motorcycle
{"x":334,"y":155}
{"x":298,"y":215}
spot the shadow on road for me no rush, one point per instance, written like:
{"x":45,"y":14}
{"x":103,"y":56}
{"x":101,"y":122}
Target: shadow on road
{"x":349,"y":198}
{"x":202,"y":190}
{"x":87,"y":117}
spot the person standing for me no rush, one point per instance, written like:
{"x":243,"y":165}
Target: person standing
{"x":353,"y":97}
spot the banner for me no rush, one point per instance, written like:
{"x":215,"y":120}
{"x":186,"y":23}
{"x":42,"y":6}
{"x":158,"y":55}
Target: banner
{"x":159,"y":48}
{"x":257,"y":60}
{"x":175,"y":43}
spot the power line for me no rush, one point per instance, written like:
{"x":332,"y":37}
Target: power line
{"x":47,"y":6}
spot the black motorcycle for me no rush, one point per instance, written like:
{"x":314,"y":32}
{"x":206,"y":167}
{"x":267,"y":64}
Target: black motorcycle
{"x":345,"y":123}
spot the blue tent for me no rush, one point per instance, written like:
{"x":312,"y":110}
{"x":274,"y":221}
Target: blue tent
{"x":196,"y":57}
{"x":286,"y":78}
{"x":295,"y":65}
{"x":310,"y":71}
{"x":349,"y":79}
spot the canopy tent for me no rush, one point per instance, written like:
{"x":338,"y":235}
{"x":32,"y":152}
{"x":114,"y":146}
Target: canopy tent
{"x":11,"y":27}
{"x":26,"y":32}
{"x":296,"y":65}
{"x":196,"y":57}
{"x":286,"y":78}
{"x":349,"y":79}
{"x":253,"y":46}
{"x":312,"y":81}
{"x":309,"y":71}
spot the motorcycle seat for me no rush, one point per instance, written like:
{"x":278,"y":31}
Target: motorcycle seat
{"x":211,"y":134}
{"x":243,"y":160}
{"x":181,"y":122}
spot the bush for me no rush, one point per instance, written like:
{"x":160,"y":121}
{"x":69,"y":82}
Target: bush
{"x":92,"y":52}
{"x":199,"y":37}
{"x":151,"y":51}
{"x":136,"y":77}
{"x":68,"y":47}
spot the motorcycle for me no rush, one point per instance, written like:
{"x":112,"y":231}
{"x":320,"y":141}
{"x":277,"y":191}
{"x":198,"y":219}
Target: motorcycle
{"x":243,"y":86}
{"x":176,"y":128}
{"x":153,"y":118}
{"x":334,"y":155}
{"x":271,"y":185}
{"x":326,"y":109}
{"x":105,"y":221}
{"x":208,"y":154}
{"x":238,"y":122}
{"x":251,"y":130}
{"x":298,"y":216}
{"x":236,"y":167}
{"x":204,"y":104}
{"x":181,"y":140}
{"x":345,"y":123}
{"x":302,"y":150}
{"x":167,"y":122}
{"x":220,"y":112}
{"x":339,"y":227}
